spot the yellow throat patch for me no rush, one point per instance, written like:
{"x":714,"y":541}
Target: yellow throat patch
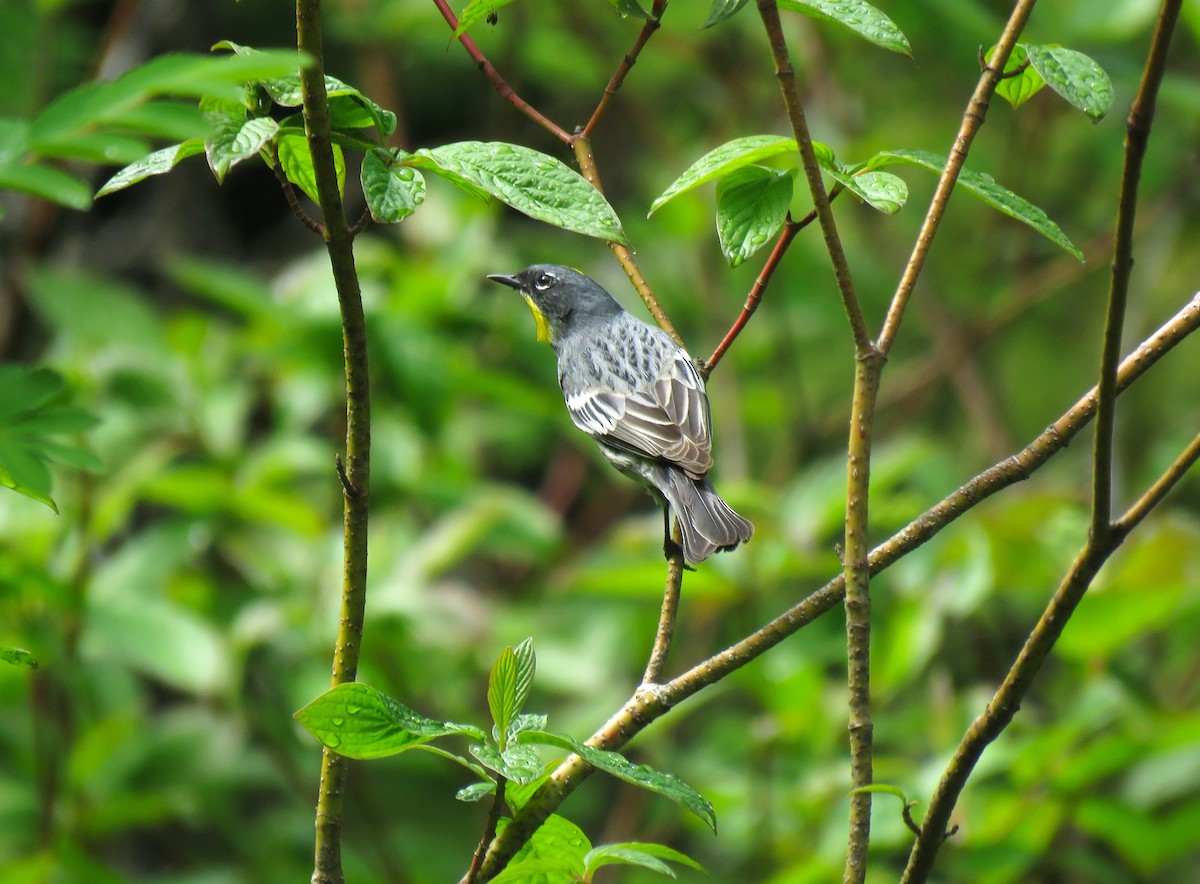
{"x":539,"y":318}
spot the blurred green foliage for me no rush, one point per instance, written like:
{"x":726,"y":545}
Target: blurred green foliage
{"x":183,"y":604}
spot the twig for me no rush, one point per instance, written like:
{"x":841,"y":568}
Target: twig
{"x":1137,"y":135}
{"x":971,"y":122}
{"x":666,"y":617}
{"x":348,"y":487}
{"x":618,"y":77}
{"x":489,"y":831}
{"x":1007,"y":700}
{"x":1102,"y":540}
{"x":790,"y":229}
{"x":340,"y":244}
{"x":289,"y":193}
{"x":1156,"y":492}
{"x":362,"y":223}
{"x":587,"y":167}
{"x":501,"y":85}
{"x":646,"y":706}
{"x":786,"y":74}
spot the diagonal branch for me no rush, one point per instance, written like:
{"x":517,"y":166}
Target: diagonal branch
{"x":647,"y":705}
{"x":1137,"y":135}
{"x":972,"y":121}
{"x":587,"y":167}
{"x":652,"y":24}
{"x":1102,"y":539}
{"x":489,"y":70}
{"x":754,"y":298}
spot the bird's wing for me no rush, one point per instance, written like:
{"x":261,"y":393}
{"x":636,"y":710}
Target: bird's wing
{"x":667,"y":419}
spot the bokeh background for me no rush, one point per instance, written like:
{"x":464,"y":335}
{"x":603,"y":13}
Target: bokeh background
{"x":183,"y":604}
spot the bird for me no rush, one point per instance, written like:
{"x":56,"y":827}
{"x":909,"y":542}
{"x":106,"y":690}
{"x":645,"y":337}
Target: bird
{"x":640,"y":396}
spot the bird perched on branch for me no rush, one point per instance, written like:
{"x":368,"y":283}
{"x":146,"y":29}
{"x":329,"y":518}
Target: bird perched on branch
{"x":635,"y":391}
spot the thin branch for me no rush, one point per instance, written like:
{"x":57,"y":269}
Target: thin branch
{"x":618,"y":77}
{"x":364,"y":221}
{"x":587,"y":167}
{"x":1156,"y":492}
{"x":340,"y":245}
{"x":648,"y":704}
{"x":489,"y":831}
{"x":790,"y":229}
{"x":1137,"y":135}
{"x":790,"y":89}
{"x":1102,"y":540}
{"x":500,"y":84}
{"x":289,"y":193}
{"x":1008,"y":697}
{"x":666,"y":617}
{"x":972,"y":120}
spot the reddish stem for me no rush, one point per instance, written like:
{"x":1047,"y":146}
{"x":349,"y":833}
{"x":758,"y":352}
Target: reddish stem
{"x":489,"y":71}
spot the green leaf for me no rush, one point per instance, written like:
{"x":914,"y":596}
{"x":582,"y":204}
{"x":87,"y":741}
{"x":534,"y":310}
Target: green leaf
{"x":18,"y":657}
{"x":879,"y":190}
{"x":613,"y":854}
{"x":350,"y":109}
{"x":1019,"y":88}
{"x":531,"y":182}
{"x":392,"y":192}
{"x":664,"y":784}
{"x":175,"y":120}
{"x":32,"y":409}
{"x":859,"y":16}
{"x":721,"y":161}
{"x":986,"y":188}
{"x":557,"y":847}
{"x":179,"y":75}
{"x":25,"y":389}
{"x":46,"y":183}
{"x":527,"y":721}
{"x":236,"y":140}
{"x":752,"y":204}
{"x":721,"y":10}
{"x":474,"y":11}
{"x":630,"y":8}
{"x":296,"y":162}
{"x":882,"y":788}
{"x":517,"y":795}
{"x":521,"y":764}
{"x":97,"y":147}
{"x":526,"y":661}
{"x":502,"y":691}
{"x":158,"y":163}
{"x":629,"y":852}
{"x":358,"y":721}
{"x":14,"y":137}
{"x":475,"y":792}
{"x":1075,"y":77}
{"x":7,"y":480}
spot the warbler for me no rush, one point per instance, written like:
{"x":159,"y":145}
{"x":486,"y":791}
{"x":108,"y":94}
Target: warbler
{"x":635,"y":391}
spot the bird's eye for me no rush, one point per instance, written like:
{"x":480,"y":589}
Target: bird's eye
{"x":544,"y":281}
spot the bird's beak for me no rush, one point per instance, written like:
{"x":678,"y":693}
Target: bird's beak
{"x":505,"y":279}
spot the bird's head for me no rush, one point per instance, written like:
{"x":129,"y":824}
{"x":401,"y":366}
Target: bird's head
{"x":559,"y":297}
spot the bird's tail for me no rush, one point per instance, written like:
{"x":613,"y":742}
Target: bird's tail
{"x":708,"y":524}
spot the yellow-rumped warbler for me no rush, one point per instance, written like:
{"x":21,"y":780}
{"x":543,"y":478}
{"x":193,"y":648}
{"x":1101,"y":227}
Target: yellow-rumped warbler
{"x":635,"y":391}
